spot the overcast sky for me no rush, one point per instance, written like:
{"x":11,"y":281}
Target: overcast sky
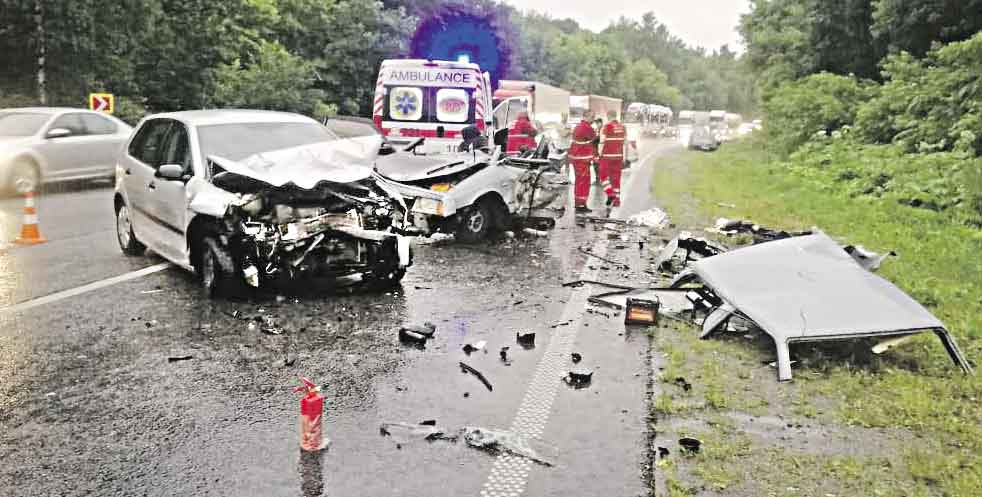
{"x":706,"y":23}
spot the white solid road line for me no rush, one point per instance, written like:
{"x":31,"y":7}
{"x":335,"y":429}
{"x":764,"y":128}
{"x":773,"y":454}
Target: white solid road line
{"x":95,"y":285}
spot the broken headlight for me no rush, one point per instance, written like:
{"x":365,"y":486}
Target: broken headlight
{"x":429,"y":206}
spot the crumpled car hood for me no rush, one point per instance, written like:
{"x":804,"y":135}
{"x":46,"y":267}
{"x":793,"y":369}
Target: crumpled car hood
{"x":340,"y":161}
{"x":407,"y":167}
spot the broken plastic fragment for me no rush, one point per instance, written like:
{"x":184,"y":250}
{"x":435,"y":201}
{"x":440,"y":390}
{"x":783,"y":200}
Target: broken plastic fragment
{"x":526,"y":340}
{"x":426,"y":329}
{"x":410,"y":336}
{"x":467,"y":369}
{"x":690,"y":445}
{"x":652,"y":218}
{"x":579,"y":378}
{"x":495,"y":442}
{"x":470,"y":348}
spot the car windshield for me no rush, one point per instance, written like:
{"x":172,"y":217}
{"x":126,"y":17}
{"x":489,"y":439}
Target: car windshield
{"x":240,"y":140}
{"x":21,"y":123}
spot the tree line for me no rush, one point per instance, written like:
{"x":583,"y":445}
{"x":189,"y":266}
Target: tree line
{"x":881,"y":98}
{"x":320,"y":57}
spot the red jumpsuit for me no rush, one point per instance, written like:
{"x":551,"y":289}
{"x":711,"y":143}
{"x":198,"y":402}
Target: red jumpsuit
{"x":581,"y":153}
{"x":612,"y":139}
{"x":521,"y":134}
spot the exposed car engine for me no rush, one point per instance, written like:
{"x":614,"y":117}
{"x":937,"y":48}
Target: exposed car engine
{"x":345,"y":232}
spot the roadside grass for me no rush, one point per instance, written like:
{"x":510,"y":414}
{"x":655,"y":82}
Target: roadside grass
{"x":912,"y":395}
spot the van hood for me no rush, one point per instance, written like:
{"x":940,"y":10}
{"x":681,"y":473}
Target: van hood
{"x":407,"y":167}
{"x":340,"y":161}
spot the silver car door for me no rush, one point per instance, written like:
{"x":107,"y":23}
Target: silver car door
{"x":105,"y":140}
{"x":139,"y":165}
{"x":169,"y":198}
{"x":65,"y":156}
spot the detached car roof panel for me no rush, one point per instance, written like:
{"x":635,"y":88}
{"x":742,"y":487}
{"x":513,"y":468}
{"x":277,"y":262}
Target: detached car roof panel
{"x":808,"y":286}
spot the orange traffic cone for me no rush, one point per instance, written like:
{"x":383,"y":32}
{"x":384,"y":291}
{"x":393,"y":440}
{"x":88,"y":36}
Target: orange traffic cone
{"x":29,"y":232}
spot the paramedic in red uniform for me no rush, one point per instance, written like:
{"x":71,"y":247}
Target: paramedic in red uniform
{"x":581,"y":154}
{"x":612,"y":138}
{"x":521,"y":135}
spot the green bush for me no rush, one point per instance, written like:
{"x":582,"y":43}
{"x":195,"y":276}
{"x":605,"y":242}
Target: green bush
{"x":948,"y":182}
{"x":931,"y":104}
{"x":817,"y":104}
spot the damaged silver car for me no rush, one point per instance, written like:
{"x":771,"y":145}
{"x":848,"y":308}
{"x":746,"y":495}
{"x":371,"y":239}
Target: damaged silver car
{"x":472,"y":193}
{"x":252,"y":198}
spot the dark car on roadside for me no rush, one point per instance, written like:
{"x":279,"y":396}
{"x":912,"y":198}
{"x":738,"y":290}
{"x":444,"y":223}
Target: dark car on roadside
{"x":702,"y":138}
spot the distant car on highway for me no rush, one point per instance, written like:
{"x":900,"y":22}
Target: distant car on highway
{"x":248,"y":198}
{"x":702,"y":138}
{"x":51,"y":144}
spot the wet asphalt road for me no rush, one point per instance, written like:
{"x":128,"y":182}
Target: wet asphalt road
{"x":90,"y":404}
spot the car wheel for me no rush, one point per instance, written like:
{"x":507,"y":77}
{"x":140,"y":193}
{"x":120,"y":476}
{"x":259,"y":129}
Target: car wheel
{"x":24,"y":177}
{"x":475,"y":224}
{"x":216,"y":280}
{"x":386,"y":282}
{"x":124,"y":233}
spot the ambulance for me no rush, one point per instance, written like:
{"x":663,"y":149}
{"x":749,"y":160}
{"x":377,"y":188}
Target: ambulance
{"x":432,"y":99}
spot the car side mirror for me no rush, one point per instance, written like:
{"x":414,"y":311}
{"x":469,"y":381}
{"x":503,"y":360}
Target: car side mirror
{"x":170,"y":172}
{"x":58,"y":133}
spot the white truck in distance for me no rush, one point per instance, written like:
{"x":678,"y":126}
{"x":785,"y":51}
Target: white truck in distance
{"x":547,"y":107}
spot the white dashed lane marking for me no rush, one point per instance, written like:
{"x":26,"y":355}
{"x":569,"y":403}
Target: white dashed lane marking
{"x":510,"y":473}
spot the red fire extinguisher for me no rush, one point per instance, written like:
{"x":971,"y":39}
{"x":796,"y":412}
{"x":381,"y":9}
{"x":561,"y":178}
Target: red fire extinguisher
{"x":311,"y":414}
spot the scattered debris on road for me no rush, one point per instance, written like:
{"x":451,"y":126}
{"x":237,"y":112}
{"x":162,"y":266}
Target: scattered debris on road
{"x":652,"y":218}
{"x":693,"y":246}
{"x":690,"y":445}
{"x":406,"y":432}
{"x":579,"y":378}
{"x":495,"y":442}
{"x":617,"y":264}
{"x":417,"y":334}
{"x":539,"y":233}
{"x":467,"y":369}
{"x":682,"y":382}
{"x":732,"y":227}
{"x":434,"y":238}
{"x":641,"y":311}
{"x":526,"y":340}
{"x":504,"y":356}
{"x":180,"y":358}
{"x":469,"y":348}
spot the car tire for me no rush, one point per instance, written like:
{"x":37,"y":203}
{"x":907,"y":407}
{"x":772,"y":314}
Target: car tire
{"x":475,"y":223}
{"x":386,"y":282}
{"x":216,"y":281}
{"x":23,"y":177}
{"x":124,"y":233}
